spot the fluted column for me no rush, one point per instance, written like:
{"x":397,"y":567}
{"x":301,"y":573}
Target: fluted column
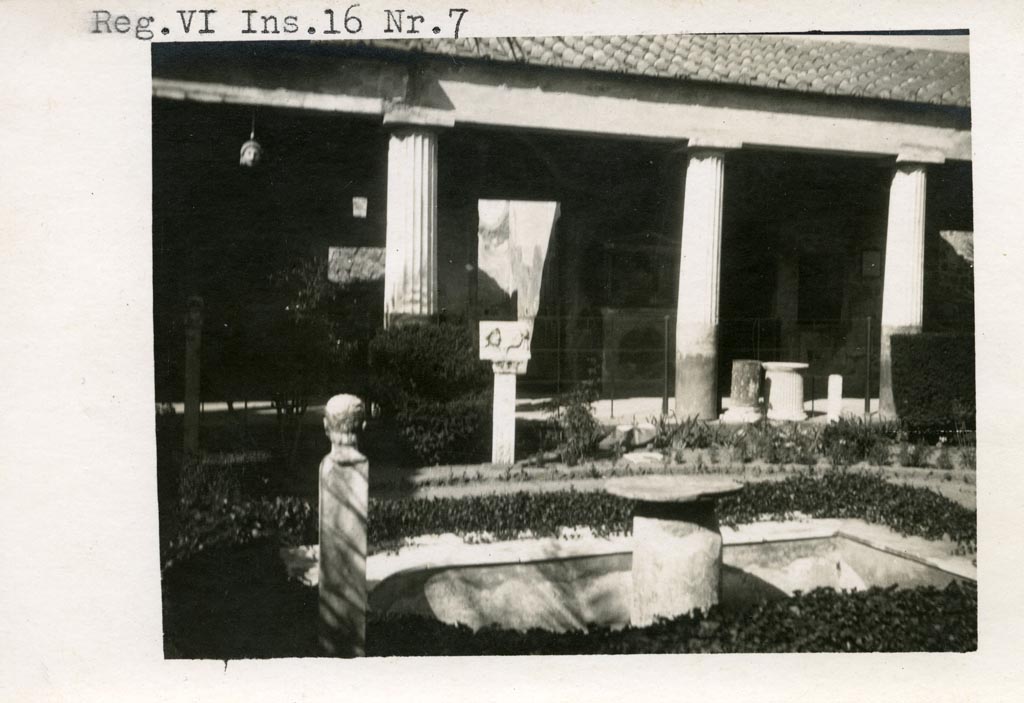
{"x":903,"y":285}
{"x":410,"y":277}
{"x":699,"y":266}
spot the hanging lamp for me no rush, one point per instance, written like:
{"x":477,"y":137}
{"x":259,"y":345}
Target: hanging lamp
{"x":251,"y":149}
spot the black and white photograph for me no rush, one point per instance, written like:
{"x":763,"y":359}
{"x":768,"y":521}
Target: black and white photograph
{"x":565,"y":345}
{"x":379,"y":351}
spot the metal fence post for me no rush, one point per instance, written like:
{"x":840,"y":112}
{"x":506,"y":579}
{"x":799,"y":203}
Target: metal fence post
{"x":867,"y":367}
{"x":558,"y":356}
{"x":664,"y":371}
{"x":612,"y":368}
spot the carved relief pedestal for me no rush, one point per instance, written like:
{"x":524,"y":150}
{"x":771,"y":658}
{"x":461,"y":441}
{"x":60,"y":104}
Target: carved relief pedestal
{"x":507,"y":346}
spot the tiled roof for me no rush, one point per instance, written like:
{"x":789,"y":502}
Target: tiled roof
{"x":764,"y":61}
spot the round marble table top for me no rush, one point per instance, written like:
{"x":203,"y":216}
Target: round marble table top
{"x":671,"y":489}
{"x":784,"y":365}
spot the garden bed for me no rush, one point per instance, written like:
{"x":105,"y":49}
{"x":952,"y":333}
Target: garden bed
{"x":226,"y":593}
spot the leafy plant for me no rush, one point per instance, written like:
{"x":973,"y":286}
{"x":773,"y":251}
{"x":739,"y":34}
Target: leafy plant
{"x":912,"y":454}
{"x":963,"y":418}
{"x":943,"y":461}
{"x":786,"y":443}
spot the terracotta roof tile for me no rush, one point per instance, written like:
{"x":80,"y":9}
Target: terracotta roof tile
{"x":785,"y":63}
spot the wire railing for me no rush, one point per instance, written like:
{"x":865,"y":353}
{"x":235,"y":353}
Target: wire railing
{"x":625,"y":353}
{"x":631,"y":353}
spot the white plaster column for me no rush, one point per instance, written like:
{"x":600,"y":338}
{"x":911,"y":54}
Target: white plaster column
{"x":699,"y":268}
{"x":410,"y":276}
{"x":835,"y":397}
{"x":903,"y":284}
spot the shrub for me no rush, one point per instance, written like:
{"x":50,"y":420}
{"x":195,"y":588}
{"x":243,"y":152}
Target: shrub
{"x":432,"y":390}
{"x":933,"y":380}
{"x":578,"y":430}
{"x":424,"y":362}
{"x":291,"y":521}
{"x":456,"y":431}
{"x":850,"y":440}
{"x":876,"y":620}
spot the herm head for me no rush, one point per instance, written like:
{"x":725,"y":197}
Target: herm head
{"x":344,"y":416}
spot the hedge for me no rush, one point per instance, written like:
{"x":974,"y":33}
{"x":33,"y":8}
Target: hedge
{"x":933,"y":380}
{"x":876,"y":620}
{"x":834,"y":494}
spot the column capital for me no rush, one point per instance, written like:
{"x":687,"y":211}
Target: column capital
{"x":713,"y":142}
{"x":910,"y":155}
{"x":400,"y":114}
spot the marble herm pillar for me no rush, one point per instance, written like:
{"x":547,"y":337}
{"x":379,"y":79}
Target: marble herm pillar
{"x":410,"y":275}
{"x":344,"y":499}
{"x":903,"y":284}
{"x":699,"y":267}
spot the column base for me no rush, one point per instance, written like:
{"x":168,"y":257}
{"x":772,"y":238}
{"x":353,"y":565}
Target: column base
{"x":696,"y":371}
{"x":741,"y":415}
{"x":886,"y":400}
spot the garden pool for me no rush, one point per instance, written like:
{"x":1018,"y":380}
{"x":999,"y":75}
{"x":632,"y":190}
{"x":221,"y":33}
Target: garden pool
{"x":583,"y":581}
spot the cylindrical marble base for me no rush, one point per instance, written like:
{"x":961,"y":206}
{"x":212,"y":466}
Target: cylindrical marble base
{"x":743,"y":393}
{"x":677,"y":560}
{"x":785,"y":391}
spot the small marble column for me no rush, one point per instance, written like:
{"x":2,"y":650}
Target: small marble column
{"x":193,"y":397}
{"x":903,"y":283}
{"x":785,"y":390}
{"x":699,"y":267}
{"x":344,"y":485}
{"x":410,"y":274}
{"x":835,"y":398}
{"x":743,"y":394}
{"x":503,"y":430}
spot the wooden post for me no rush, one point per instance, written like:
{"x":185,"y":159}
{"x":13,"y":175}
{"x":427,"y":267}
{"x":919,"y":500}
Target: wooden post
{"x":193,"y":342}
